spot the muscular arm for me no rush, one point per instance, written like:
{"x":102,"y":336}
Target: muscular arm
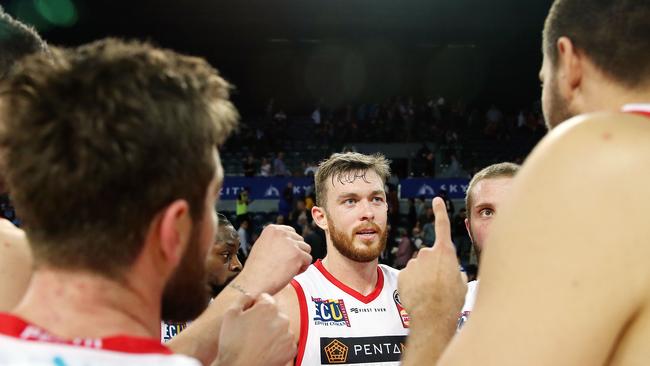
{"x":276,"y":258}
{"x":564,"y":271}
{"x":287,"y":300}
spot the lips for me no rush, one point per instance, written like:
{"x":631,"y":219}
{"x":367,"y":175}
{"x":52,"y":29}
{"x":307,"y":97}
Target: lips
{"x":367,"y":233}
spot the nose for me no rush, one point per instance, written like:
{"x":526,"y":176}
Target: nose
{"x":367,"y":211}
{"x":235,"y":265}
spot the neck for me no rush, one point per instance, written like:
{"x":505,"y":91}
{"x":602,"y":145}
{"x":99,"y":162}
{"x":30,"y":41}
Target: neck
{"x":360,"y":276}
{"x":81,"y":304}
{"x":610,"y":96}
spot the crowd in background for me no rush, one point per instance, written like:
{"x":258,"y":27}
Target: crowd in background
{"x":455,"y":139}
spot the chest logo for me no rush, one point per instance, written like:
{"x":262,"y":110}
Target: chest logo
{"x":336,"y":352}
{"x":330,"y":312}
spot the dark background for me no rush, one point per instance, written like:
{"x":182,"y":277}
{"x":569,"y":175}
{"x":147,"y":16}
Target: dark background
{"x":301,"y":52}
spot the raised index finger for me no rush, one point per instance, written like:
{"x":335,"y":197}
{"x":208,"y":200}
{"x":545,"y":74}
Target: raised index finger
{"x":442,"y":226}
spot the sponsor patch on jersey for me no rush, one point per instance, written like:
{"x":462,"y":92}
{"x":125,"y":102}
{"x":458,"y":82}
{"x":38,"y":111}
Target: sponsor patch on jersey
{"x":367,"y":310}
{"x":330,"y":312}
{"x":361,"y":349}
{"x":406,"y":319}
{"x":171,"y":330}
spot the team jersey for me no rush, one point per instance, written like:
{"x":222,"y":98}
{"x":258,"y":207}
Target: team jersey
{"x":338,"y":325}
{"x":23,"y":344}
{"x":470,"y":299}
{"x":639,"y":108}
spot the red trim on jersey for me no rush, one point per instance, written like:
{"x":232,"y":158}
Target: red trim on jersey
{"x":364,"y":299}
{"x":643,"y":113}
{"x":16,"y":327}
{"x":642,"y":109}
{"x":304,"y":322}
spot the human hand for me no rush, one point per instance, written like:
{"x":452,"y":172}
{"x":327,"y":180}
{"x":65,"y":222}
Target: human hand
{"x":279,"y":254}
{"x":432,"y":284}
{"x":255,"y":332}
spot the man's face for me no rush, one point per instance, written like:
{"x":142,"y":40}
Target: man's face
{"x":356,"y":215}
{"x":487,"y":199}
{"x":554,"y":106}
{"x":222,"y":264}
{"x":186,"y":294}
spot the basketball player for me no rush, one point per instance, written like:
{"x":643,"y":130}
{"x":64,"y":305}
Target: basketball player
{"x":564,"y":278}
{"x":110,"y":154}
{"x":16,"y":41}
{"x":485,"y":194}
{"x":221,"y":267}
{"x":346,"y":309}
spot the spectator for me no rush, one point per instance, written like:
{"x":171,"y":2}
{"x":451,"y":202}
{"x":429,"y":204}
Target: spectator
{"x":311,"y":169}
{"x":316,"y":239}
{"x":285,"y":204}
{"x":242,"y":206}
{"x":429,"y":231}
{"x":279,"y":168}
{"x":249,"y":166}
{"x":244,"y":238}
{"x":405,"y":249}
{"x":265,"y":168}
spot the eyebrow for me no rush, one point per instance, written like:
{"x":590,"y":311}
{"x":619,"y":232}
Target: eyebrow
{"x":352,"y":194}
{"x":483,"y":205}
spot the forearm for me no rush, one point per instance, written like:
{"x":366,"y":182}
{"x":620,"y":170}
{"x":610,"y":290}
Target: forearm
{"x":428,"y":337}
{"x":201,"y":339}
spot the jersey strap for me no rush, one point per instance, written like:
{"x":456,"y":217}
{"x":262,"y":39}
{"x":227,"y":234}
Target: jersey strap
{"x":16,"y":327}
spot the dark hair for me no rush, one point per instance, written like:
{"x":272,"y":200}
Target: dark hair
{"x":614,"y":34}
{"x":97,"y":140}
{"x":16,"y":41}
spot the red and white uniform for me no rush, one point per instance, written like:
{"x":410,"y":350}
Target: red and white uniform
{"x":23,"y":344}
{"x":638,"y":108}
{"x":338,"y":325}
{"x":470,"y":299}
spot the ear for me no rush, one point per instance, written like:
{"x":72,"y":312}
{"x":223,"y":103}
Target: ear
{"x":570,"y":67}
{"x":469,"y":232}
{"x":174,"y":231}
{"x":320,"y":217}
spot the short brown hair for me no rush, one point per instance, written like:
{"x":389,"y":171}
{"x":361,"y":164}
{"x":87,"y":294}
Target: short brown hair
{"x":16,"y":41}
{"x":612,"y":33}
{"x":97,"y":140}
{"x":499,"y":170}
{"x":348,"y":166}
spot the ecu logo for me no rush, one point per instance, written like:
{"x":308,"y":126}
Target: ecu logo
{"x":336,"y":352}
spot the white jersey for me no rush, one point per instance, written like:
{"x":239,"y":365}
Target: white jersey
{"x":470,"y":299}
{"x":338,"y":325}
{"x":24,"y":344}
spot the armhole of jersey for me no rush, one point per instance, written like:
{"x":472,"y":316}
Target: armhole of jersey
{"x":304,"y":322}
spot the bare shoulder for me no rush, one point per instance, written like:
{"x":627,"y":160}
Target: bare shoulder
{"x":608,"y":140}
{"x":569,"y":247}
{"x":288,"y":303}
{"x":15,"y":264}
